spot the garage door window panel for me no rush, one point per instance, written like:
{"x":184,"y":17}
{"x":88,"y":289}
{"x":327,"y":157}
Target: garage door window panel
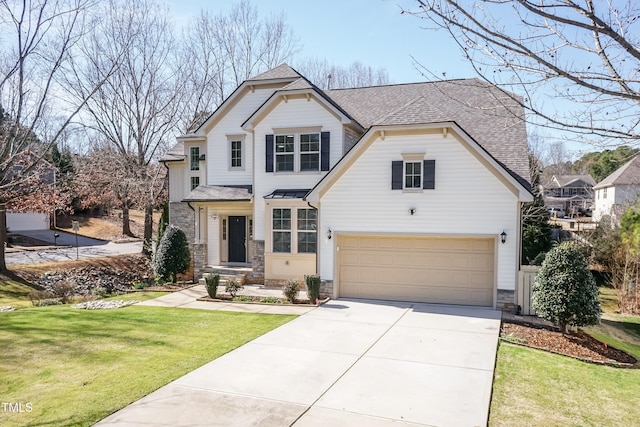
{"x":281,"y":230}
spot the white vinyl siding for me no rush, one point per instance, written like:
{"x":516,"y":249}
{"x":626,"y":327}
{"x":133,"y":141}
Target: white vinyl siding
{"x":467,"y":201}
{"x":219,"y":171}
{"x":295,"y":113}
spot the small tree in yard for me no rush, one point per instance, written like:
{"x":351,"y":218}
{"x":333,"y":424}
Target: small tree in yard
{"x":172,"y":256}
{"x":565,"y":291}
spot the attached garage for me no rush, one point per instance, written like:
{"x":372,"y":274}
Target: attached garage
{"x":446,"y":270}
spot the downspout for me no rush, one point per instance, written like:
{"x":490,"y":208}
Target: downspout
{"x":317,"y":239}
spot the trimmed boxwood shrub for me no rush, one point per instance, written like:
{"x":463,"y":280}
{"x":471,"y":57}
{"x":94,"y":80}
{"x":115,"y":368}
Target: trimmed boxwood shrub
{"x":564,"y":291}
{"x":312,"y":282}
{"x":172,"y":256}
{"x":211,"y":282}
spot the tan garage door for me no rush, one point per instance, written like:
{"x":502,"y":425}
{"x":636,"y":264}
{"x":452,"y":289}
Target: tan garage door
{"x":424,"y":269}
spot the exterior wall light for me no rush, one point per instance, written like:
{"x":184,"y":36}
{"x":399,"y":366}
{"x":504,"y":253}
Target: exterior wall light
{"x":503,"y":237}
{"x":412,"y":211}
{"x":329,"y":233}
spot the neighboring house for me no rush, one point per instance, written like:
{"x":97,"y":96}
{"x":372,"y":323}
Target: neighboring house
{"x":406,"y":192}
{"x":618,"y":191}
{"x":21,"y":221}
{"x":569,"y":193}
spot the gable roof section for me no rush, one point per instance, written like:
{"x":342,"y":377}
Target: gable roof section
{"x":562,"y":181}
{"x":282,"y":74}
{"x":282,"y":71}
{"x":299,"y":86}
{"x":174,"y":154}
{"x":493,"y":117}
{"x":627,"y":174}
{"x":520,"y":189}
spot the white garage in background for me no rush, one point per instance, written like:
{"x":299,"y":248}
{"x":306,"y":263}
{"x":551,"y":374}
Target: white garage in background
{"x":27,"y":221}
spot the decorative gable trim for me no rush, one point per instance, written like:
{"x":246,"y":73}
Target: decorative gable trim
{"x":498,"y":170}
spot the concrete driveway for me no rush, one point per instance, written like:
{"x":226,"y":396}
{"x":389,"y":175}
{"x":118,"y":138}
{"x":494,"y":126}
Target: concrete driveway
{"x":348,"y":362}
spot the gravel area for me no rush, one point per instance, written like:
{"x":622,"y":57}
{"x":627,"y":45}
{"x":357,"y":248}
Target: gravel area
{"x":102,"y":304}
{"x":575,"y":344}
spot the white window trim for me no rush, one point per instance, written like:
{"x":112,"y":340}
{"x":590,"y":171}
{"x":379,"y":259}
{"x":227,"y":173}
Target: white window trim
{"x":412,"y":158}
{"x":191,"y":158}
{"x":296,"y":132}
{"x":293,"y":231}
{"x":243,"y":152}
{"x":290,"y":231}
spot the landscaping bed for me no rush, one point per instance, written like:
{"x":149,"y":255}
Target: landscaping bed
{"x":576,"y":344}
{"x":261,"y":300}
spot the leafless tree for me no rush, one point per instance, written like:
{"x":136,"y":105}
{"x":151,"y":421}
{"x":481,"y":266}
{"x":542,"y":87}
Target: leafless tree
{"x":331,"y":76}
{"x":226,"y":49}
{"x":577,"y":63}
{"x":38,"y":38}
{"x":136,"y":111}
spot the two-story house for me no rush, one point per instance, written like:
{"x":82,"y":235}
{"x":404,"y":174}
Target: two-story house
{"x":618,"y":191}
{"x":571,"y":193}
{"x":405,"y":192}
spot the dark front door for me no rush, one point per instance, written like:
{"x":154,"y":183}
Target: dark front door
{"x":237,"y":238}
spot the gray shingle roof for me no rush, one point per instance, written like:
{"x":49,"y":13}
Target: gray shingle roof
{"x":298,"y":84}
{"x":491,"y":116}
{"x":627,"y":174}
{"x":212,"y":193}
{"x":282,"y":71}
{"x":561,"y":181}
{"x":175,"y":153}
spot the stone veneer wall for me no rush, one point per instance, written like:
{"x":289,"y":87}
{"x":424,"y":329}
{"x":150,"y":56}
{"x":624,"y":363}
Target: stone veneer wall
{"x":257,"y":260}
{"x":326,"y":289}
{"x":506,"y":300}
{"x":199,"y":258}
{"x":182,"y":216}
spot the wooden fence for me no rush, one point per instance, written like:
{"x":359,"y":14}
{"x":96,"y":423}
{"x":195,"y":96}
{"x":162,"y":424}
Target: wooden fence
{"x":526,"y":277}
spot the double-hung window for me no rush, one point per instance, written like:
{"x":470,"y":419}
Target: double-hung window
{"x":310,"y":152}
{"x":412,"y":174}
{"x":236,"y":154}
{"x":195,"y":181}
{"x":194,"y":158}
{"x":281,"y":230}
{"x":285,"y":156}
{"x":307,"y":230}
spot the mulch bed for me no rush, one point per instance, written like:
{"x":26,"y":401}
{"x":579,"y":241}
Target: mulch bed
{"x":259,"y":299}
{"x":575,"y":344}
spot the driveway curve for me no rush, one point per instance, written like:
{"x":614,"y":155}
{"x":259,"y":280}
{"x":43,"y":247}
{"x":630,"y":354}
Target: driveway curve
{"x":348,"y":362}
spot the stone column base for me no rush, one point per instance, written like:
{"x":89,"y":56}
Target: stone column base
{"x":506,"y":300}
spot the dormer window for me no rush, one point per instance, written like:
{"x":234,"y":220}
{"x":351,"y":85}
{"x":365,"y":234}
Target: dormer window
{"x":194,"y":158}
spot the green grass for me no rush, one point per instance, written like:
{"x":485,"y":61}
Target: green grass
{"x":15,"y":293}
{"x":138,"y":296}
{"x":77,"y":366}
{"x":536,"y":388}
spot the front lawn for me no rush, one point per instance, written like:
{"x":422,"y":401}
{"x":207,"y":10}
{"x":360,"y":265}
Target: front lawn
{"x":536,"y":388}
{"x":75,"y":367}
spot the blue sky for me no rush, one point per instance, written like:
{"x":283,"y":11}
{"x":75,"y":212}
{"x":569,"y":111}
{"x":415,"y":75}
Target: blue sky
{"x":373,"y":32}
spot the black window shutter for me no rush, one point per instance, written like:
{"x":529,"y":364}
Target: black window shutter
{"x":269,"y":154}
{"x":396,"y":174}
{"x":324,"y":151}
{"x":429,"y":176}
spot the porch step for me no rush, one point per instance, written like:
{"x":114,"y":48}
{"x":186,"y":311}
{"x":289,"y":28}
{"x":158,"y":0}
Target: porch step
{"x":228,"y":273}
